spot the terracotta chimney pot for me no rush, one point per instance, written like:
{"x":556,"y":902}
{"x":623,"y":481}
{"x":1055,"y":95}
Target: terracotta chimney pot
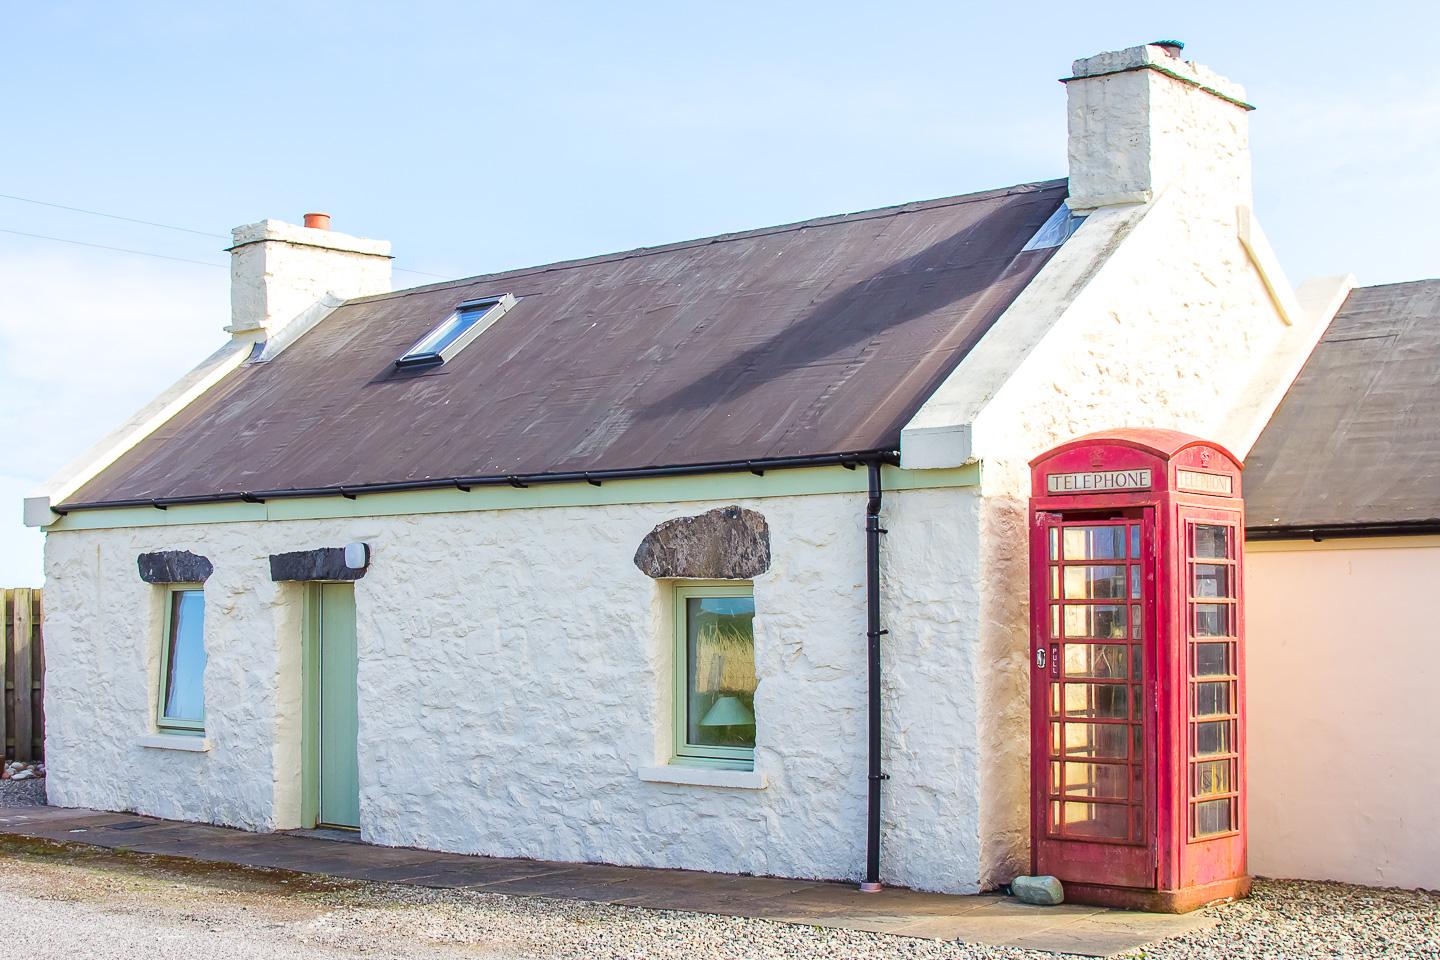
{"x":317,"y":221}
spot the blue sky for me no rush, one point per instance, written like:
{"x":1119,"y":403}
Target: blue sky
{"x":480,"y":136}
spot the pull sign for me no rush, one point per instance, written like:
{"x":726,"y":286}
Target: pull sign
{"x":1040,"y":658}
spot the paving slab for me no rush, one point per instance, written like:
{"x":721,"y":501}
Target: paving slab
{"x":988,"y":919}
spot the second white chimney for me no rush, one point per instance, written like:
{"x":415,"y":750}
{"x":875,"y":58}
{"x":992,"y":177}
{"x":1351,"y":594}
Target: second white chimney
{"x":1142,"y":120}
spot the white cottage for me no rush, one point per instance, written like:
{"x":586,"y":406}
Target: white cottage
{"x":585,"y":561}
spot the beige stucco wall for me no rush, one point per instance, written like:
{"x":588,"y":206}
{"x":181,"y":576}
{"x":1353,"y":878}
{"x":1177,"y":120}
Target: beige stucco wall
{"x":1344,"y":734}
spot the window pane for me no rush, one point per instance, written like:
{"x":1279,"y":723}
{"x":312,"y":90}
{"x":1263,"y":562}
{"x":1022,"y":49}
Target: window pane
{"x":1106,"y":661}
{"x":1212,"y":776}
{"x":1212,"y":699}
{"x":185,"y":657}
{"x":1054,"y":543}
{"x":720,"y":647}
{"x":1212,"y":619}
{"x":1212,"y":580}
{"x":1137,"y":623}
{"x":1054,"y":583}
{"x":1095,"y":543}
{"x":1100,"y":700}
{"x":1096,"y":779}
{"x":1212,"y":738}
{"x":1212,"y":542}
{"x":1212,"y":659}
{"x":1135,"y":581}
{"x":1107,"y":820}
{"x":1105,"y":621}
{"x":1213,"y":816}
{"x":1135,"y":541}
{"x":1102,"y":740}
{"x":1094,"y":583}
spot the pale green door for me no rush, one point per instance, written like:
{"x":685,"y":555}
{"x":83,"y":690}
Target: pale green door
{"x":338,"y":713}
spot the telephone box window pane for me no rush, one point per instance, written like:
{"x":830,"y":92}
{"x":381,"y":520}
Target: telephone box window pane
{"x":1137,"y":623}
{"x":1211,"y":777}
{"x":1055,"y":699}
{"x":1137,"y":663}
{"x":1100,"y":700}
{"x":1094,"y":583}
{"x":1135,"y":582}
{"x":1212,"y":737}
{"x":1212,"y":542}
{"x":1214,"y":816}
{"x":1095,"y":543}
{"x":1135,"y":541}
{"x":1212,"y":620}
{"x":1212,"y":580}
{"x":1103,"y":621}
{"x":1103,"y":780}
{"x":1212,"y":659}
{"x":1055,"y":621}
{"x":1107,"y":821}
{"x":1212,"y":699}
{"x":1105,"y":741}
{"x":1105,"y":661}
{"x":1054,"y":543}
{"x":1054,"y":583}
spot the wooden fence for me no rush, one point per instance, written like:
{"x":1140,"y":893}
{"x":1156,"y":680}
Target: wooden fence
{"x":22,"y":665}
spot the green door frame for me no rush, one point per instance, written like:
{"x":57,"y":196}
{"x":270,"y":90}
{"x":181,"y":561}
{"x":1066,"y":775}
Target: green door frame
{"x":311,"y":698}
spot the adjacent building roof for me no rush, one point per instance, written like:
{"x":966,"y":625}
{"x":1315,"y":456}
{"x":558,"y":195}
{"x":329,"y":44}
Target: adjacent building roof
{"x":822,"y":337}
{"x":1356,"y":441}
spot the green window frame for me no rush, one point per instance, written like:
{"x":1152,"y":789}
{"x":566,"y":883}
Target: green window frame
{"x":182,"y":639}
{"x":737,"y":753}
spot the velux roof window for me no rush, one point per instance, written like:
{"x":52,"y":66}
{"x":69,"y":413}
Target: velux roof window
{"x":470,"y":319}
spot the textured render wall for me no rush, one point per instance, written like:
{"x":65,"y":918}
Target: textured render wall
{"x":514,"y":677}
{"x":1342,"y":727}
{"x":1174,"y":326}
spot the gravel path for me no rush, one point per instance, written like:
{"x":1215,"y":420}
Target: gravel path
{"x":98,"y":904}
{"x":22,"y":793}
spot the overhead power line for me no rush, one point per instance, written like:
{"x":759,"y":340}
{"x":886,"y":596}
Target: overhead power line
{"x":148,"y":223}
{"x":102,"y":246}
{"x":115,"y":216}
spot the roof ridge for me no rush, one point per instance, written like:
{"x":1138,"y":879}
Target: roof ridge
{"x":875,"y":213}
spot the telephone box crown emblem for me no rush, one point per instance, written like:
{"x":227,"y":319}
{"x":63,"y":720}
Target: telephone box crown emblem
{"x":1097,"y":459}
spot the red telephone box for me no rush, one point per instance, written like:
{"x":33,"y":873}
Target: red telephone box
{"x":1138,"y":671}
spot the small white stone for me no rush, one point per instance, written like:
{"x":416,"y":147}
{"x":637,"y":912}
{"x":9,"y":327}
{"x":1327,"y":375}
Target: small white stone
{"x":1041,"y":891}
{"x":23,"y":775}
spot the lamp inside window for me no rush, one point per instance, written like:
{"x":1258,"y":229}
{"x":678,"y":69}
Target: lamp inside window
{"x":469,"y":320}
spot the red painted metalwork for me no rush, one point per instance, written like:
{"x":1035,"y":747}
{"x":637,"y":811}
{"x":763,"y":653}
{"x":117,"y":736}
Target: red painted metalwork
{"x":1137,"y":670}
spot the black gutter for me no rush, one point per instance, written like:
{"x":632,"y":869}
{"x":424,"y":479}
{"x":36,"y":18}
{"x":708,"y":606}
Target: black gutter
{"x":1336,"y":531}
{"x":873,"y":633}
{"x":592,"y":477}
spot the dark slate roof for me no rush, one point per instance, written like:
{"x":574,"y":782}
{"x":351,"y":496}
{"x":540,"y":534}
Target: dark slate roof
{"x":815,"y":338}
{"x":1356,"y":441}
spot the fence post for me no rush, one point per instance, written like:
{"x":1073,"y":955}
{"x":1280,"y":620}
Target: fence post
{"x":24,"y":675}
{"x":5,"y":627}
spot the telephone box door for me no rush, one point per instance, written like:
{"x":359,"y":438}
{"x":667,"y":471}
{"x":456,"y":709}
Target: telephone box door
{"x":1092,"y":696}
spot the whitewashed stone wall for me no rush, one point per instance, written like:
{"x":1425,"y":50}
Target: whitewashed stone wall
{"x":515,"y":675}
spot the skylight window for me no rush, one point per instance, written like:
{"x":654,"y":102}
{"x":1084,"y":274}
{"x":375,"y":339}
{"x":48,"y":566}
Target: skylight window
{"x":469,"y":320}
{"x":1060,"y":227}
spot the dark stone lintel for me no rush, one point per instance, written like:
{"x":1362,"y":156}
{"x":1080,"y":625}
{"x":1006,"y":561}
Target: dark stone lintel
{"x":174,"y":566}
{"x":727,"y":543}
{"x":325,"y":563}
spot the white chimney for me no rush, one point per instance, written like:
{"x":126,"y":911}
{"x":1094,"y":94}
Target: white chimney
{"x":1142,"y":120}
{"x":279,"y":270}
